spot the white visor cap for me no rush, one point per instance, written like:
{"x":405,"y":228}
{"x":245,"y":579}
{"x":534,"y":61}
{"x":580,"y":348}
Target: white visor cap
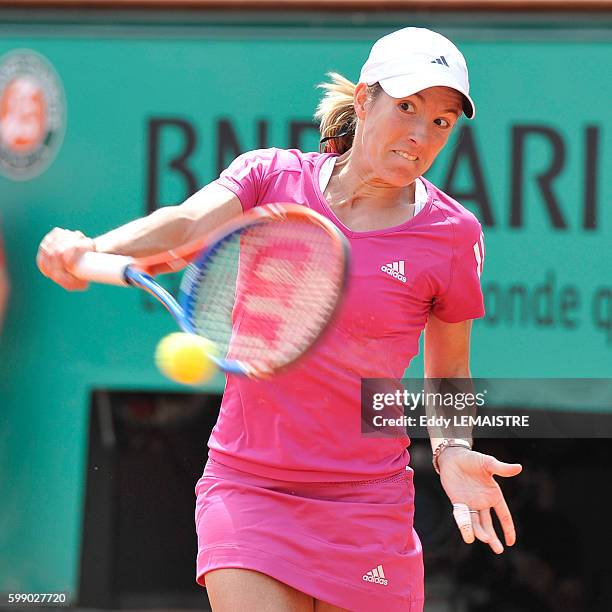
{"x":412,"y":59}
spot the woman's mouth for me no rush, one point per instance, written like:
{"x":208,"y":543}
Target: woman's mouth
{"x":406,"y":155}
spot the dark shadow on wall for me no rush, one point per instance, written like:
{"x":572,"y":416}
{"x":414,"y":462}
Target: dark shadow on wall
{"x":146,"y":452}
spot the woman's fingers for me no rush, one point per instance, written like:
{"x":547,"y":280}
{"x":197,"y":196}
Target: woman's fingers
{"x":57,"y":254}
{"x":487,"y":526}
{"x":499,"y":468}
{"x":463,"y":518}
{"x":43,"y":257}
{"x":479,"y":532}
{"x":505,"y":519}
{"x":479,"y":525}
{"x":69,"y":282}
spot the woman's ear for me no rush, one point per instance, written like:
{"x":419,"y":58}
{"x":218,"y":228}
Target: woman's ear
{"x":360,"y":98}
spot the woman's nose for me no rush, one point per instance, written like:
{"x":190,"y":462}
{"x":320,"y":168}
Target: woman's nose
{"x":418,"y":133}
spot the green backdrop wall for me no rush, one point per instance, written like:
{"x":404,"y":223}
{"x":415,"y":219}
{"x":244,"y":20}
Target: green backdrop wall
{"x":534,"y":165}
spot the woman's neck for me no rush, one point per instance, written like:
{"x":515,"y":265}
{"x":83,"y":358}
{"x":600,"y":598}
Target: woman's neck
{"x":352,"y":184}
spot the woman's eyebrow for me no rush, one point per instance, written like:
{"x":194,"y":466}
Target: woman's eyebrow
{"x":448,"y":110}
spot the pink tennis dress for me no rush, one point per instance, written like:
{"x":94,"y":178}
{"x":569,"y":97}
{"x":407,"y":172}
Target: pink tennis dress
{"x":292,"y":488}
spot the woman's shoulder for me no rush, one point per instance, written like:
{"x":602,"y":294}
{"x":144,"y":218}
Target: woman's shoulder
{"x":276,"y":159}
{"x":453,"y":210}
{"x":283,"y":157}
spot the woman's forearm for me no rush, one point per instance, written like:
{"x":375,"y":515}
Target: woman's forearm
{"x":171,"y":226}
{"x":161,"y":230}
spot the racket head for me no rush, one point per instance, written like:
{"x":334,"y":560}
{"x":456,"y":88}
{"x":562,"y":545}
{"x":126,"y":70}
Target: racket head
{"x":266,"y":287}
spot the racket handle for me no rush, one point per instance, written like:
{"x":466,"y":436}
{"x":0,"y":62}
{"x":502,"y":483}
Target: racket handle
{"x":102,"y":268}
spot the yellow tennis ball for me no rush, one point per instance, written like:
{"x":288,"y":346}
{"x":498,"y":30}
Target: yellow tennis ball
{"x":185,"y":358}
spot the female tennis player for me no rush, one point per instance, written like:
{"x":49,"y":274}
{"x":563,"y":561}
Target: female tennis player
{"x":296,"y":510}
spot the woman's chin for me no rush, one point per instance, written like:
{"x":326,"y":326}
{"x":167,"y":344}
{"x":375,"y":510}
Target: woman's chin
{"x":400,"y":178}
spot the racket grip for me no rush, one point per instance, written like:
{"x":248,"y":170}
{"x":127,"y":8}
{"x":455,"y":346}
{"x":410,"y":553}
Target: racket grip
{"x":102,"y":268}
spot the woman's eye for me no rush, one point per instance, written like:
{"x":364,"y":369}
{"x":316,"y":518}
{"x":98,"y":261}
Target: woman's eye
{"x":443,"y":123}
{"x":406,"y":106}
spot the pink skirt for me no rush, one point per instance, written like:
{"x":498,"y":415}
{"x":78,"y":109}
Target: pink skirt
{"x":350,"y":544}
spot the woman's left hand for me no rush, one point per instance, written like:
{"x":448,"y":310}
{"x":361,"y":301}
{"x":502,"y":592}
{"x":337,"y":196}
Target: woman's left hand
{"x":467,"y":478}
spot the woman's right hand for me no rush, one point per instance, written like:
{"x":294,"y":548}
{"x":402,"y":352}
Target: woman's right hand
{"x":58,"y":252}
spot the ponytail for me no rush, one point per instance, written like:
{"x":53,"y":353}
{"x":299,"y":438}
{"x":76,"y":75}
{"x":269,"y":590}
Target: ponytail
{"x":336,"y":113}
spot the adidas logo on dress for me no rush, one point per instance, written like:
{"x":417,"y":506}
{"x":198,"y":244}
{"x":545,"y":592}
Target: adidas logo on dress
{"x":395,"y":269}
{"x":376,"y":575}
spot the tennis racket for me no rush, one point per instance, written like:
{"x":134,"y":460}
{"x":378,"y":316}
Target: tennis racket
{"x":263,"y":287}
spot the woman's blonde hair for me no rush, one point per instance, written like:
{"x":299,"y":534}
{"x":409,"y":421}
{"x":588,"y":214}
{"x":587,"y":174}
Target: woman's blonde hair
{"x":336,"y":113}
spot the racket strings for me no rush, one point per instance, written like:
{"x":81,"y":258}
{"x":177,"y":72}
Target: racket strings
{"x":266,"y":292}
{"x":212,"y":287}
{"x":298,"y":264}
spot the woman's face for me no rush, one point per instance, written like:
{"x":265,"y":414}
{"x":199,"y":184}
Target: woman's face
{"x":395,"y":131}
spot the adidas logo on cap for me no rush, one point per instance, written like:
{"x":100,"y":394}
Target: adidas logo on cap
{"x":377,"y":575}
{"x":395,"y":269}
{"x":440,"y":60}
